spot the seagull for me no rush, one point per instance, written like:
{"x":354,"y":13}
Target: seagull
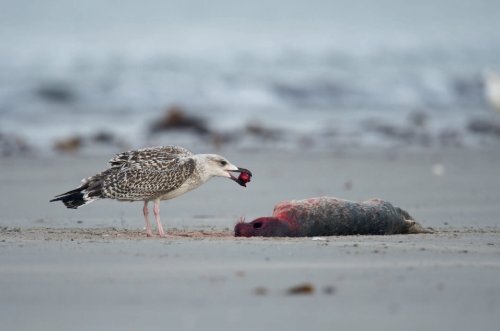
{"x":492,"y":88}
{"x":152,"y":174}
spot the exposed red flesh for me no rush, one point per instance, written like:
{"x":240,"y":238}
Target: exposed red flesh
{"x":244,"y":177}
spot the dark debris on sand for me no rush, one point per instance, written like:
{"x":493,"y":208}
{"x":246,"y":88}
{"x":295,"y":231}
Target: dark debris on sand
{"x":56,"y":93}
{"x":484,"y":126}
{"x":75,"y":143}
{"x":177,"y":118}
{"x":13,"y":144}
{"x":306,"y":288}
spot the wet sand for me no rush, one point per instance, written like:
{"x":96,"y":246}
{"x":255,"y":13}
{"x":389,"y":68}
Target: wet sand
{"x":93,"y":268}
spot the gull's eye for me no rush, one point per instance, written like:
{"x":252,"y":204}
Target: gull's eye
{"x":223,"y":163}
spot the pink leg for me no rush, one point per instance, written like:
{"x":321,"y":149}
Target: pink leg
{"x":145,"y":210}
{"x":156,"y":211}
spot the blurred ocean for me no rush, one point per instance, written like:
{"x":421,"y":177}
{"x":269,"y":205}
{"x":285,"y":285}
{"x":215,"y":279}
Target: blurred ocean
{"x":320,"y":73}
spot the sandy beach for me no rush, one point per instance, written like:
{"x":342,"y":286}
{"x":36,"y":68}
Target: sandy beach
{"x":355,"y":100}
{"x":93,"y":268}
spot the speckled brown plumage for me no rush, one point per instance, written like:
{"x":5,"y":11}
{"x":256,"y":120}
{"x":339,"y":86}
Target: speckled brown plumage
{"x":146,"y":174}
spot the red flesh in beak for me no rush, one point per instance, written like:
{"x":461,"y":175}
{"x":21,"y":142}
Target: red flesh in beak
{"x":243,"y":178}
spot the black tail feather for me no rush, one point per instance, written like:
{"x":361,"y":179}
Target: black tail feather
{"x":72,"y":200}
{"x":76,"y":190}
{"x":88,"y":192}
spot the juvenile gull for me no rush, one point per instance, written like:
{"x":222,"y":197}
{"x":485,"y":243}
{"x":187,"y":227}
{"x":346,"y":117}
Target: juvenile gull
{"x":492,"y":88}
{"x":152,"y":174}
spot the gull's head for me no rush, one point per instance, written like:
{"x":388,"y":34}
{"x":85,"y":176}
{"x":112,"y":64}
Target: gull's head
{"x":216,"y":165}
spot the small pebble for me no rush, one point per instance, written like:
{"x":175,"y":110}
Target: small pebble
{"x":329,"y":290}
{"x":260,"y":291}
